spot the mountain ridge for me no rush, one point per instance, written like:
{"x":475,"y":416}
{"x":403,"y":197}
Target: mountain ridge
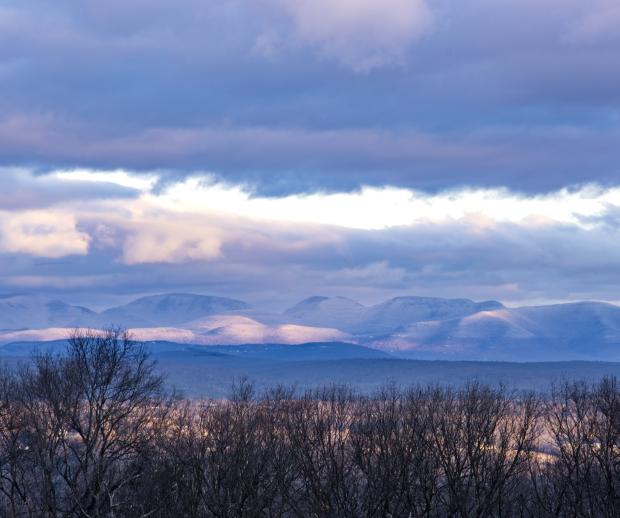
{"x":427,"y":326}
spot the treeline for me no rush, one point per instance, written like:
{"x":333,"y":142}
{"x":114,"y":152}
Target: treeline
{"x":93,"y":433}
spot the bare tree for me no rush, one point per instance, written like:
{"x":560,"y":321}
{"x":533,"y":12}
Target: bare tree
{"x":606,"y":399}
{"x":581,"y":476}
{"x":390,"y":440}
{"x":327,"y":482}
{"x":90,"y":414}
{"x":484,"y":440}
{"x":92,"y":433}
{"x":16,"y":466}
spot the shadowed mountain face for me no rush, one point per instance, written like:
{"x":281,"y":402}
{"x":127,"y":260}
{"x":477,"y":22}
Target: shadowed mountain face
{"x":421,"y":327}
{"x":387,"y":317}
{"x":34,"y":312}
{"x":580,"y":331}
{"x":169,"y":310}
{"x":337,"y":312}
{"x":393,"y":314}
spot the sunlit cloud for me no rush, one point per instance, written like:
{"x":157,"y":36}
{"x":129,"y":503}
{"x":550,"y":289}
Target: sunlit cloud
{"x":42,"y":234}
{"x":368,"y":243}
{"x":273,"y":149}
{"x":171,"y":242}
{"x":376,"y":208}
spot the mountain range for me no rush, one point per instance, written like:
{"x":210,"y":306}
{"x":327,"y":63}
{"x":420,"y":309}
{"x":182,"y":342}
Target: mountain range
{"x":413,"y":327}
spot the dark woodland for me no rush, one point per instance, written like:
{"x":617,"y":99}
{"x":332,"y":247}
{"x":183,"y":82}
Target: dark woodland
{"x":95,"y":433}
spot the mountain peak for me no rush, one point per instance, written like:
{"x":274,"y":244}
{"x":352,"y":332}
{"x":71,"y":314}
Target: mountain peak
{"x":37,"y":311}
{"x":337,"y":312}
{"x":316,"y":302}
{"x":311,"y":301}
{"x":170,"y":309}
{"x":187,"y":299}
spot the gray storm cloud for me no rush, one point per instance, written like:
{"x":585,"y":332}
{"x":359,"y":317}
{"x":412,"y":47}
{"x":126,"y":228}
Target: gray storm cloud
{"x":404,"y":92}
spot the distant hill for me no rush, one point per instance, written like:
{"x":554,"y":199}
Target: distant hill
{"x":386,"y":317}
{"x":315,"y":351}
{"x":402,"y":311}
{"x":416,"y":327}
{"x":579,"y":331}
{"x":169,"y":310}
{"x":37,"y":312}
{"x":211,"y":370}
{"x":337,"y":312}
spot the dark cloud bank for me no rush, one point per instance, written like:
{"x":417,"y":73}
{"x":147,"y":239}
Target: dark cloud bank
{"x":518,"y":94}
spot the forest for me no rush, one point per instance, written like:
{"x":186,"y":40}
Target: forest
{"x":95,"y":432}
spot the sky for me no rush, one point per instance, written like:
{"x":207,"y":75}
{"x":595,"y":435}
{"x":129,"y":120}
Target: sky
{"x":272,"y":150}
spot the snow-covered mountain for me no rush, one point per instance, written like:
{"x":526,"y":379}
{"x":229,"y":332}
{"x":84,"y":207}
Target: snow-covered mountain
{"x":578,"y":323}
{"x":36,"y":312}
{"x":383,"y":318}
{"x":464,"y":329}
{"x":338,"y":312}
{"x":168,"y":310}
{"x":395,"y":313}
{"x":577,"y":331}
{"x":414,"y":326}
{"x":236,"y":329}
{"x":216,"y":330}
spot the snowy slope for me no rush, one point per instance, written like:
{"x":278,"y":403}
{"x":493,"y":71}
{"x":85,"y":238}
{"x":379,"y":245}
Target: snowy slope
{"x":403,"y":311}
{"x":168,"y":310}
{"x":36,"y":312}
{"x":384,"y":318}
{"x":235,"y":329}
{"x":216,"y":330}
{"x":434,"y":327}
{"x":337,"y":312}
{"x":576,"y":331}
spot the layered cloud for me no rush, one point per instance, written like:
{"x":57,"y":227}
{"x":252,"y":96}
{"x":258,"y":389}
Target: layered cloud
{"x":280,"y":161}
{"x":21,"y":189}
{"x":200,"y":234}
{"x":367,"y":148}
{"x":311,"y":95}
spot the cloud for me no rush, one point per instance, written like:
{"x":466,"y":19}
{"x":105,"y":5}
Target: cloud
{"x":120,"y":178}
{"x":599,"y":26}
{"x":376,"y":208}
{"x":179,"y":241}
{"x":280,"y":161}
{"x":476,"y":154}
{"x":58,"y":282}
{"x":42,"y":234}
{"x":206,"y":236}
{"x":379,"y":274}
{"x":255,"y":91}
{"x":362,"y":34}
{"x":21,"y":189}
